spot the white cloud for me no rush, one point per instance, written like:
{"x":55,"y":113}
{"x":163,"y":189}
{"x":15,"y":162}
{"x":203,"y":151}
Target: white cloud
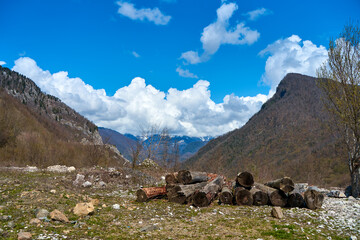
{"x":219,"y":33}
{"x":152,"y":15}
{"x":186,"y":112}
{"x":253,"y":15}
{"x":135,"y":54}
{"x":291,"y":55}
{"x":2,"y":63}
{"x":185,"y":73}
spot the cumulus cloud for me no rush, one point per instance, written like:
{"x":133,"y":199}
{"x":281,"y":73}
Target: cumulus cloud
{"x":291,"y":55}
{"x":185,"y":73}
{"x":2,"y":63}
{"x":255,"y":14}
{"x":220,"y":32}
{"x":152,"y":15}
{"x":186,"y":112}
{"x":135,"y":54}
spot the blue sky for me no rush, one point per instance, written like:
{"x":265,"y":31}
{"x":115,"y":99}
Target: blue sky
{"x":236,"y":49}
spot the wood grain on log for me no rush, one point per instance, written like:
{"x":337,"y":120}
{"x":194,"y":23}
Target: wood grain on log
{"x":170,"y":178}
{"x":144,"y":194}
{"x":243,"y":196}
{"x":276,"y":197}
{"x":226,"y":196}
{"x":245,"y":179}
{"x":259,"y":197}
{"x":183,"y":193}
{"x":313,"y":199}
{"x":296,"y":200}
{"x":203,"y":197}
{"x":187,"y":177}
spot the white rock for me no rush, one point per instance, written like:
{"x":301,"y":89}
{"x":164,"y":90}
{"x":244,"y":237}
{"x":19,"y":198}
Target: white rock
{"x":116,"y":206}
{"x":86,"y":184}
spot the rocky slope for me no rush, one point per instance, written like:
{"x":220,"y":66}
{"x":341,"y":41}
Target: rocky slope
{"x":290,"y":136}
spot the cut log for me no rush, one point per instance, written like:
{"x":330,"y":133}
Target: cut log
{"x":183,"y":193}
{"x":245,"y":179}
{"x":296,"y":200}
{"x":203,"y":197}
{"x":243,"y":196}
{"x":276,"y":197}
{"x":226,"y":196}
{"x":170,"y":178}
{"x":259,"y":197}
{"x":145,"y":194}
{"x":313,"y":199}
{"x":284,"y":184}
{"x":187,"y":177}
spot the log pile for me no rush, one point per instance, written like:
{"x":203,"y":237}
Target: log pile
{"x":201,"y":189}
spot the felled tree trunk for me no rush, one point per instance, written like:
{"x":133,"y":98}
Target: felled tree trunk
{"x":226,"y":196}
{"x":276,"y":197}
{"x":296,"y":200}
{"x":183,"y":193}
{"x":313,"y":199}
{"x":170,"y":178}
{"x":187,"y":177}
{"x":245,"y":179}
{"x":284,"y":184}
{"x":203,"y":197}
{"x":243,"y":196}
{"x":145,"y":194}
{"x":259,"y":197}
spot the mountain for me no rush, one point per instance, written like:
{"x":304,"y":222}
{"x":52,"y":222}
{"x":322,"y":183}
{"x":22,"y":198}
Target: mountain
{"x":188,"y":146}
{"x":39,"y":129}
{"x":289,"y":136}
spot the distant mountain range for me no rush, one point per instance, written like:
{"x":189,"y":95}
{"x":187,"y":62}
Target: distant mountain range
{"x":38,"y":129}
{"x":289,"y":136}
{"x":188,"y":146}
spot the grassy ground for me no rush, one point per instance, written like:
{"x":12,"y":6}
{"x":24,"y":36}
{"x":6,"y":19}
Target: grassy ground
{"x":22,"y":193}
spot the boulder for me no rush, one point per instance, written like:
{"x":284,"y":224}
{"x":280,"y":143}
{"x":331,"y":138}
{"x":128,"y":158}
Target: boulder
{"x":24,"y":236}
{"x":56,"y":215}
{"x":87,"y":184}
{"x":83,"y":209}
{"x":80,"y":179}
{"x":41,"y":213}
{"x":35,"y":221}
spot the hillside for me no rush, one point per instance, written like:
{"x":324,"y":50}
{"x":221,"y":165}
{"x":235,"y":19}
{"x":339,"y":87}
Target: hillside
{"x":289,"y":136}
{"x":38,"y":129}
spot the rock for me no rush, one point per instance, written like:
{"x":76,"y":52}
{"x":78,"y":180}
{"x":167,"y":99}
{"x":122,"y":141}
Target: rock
{"x":86,"y":184}
{"x":79,"y":179}
{"x":11,"y":224}
{"x":24,"y":236}
{"x":353,"y":238}
{"x":5,"y":217}
{"x":71,"y":169}
{"x":149,"y":228}
{"x":351,"y":198}
{"x":83,"y":209}
{"x":58,"y":168}
{"x":53,"y":191}
{"x":58,"y":216}
{"x":95,"y":202}
{"x":116,"y":206}
{"x":35,"y":221}
{"x":102,"y":184}
{"x":276,"y":212}
{"x":342,"y":195}
{"x":31,"y":169}
{"x":41,"y":213}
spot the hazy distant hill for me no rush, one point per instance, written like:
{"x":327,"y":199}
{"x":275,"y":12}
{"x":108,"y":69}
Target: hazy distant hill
{"x":188,"y":146}
{"x":288,"y":136}
{"x":39,"y":129}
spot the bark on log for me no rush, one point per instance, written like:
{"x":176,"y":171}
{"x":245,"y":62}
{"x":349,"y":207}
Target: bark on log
{"x":276,"y":197}
{"x":243,"y":196}
{"x":183,"y":193}
{"x":296,"y":200}
{"x":203,"y":197}
{"x":284,"y":184}
{"x":145,"y":194}
{"x":226,"y":196}
{"x":245,"y":179}
{"x":170,"y":178}
{"x":259,"y":197}
{"x":313,"y":199}
{"x":187,"y":177}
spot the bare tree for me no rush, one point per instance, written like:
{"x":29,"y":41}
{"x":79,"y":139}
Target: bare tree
{"x":176,"y":156}
{"x":339,"y":77}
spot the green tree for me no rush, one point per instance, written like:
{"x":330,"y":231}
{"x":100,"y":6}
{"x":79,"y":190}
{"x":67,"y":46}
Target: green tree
{"x":339,"y":78}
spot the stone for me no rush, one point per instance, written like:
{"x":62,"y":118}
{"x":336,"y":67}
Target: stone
{"x":71,"y":169}
{"x":95,"y":202}
{"x":24,"y":236}
{"x":116,"y":206}
{"x":56,"y":215}
{"x":86,"y":184}
{"x":35,"y":221}
{"x":276,"y":212}
{"x":53,"y":191}
{"x":149,"y":228}
{"x":83,"y":209}
{"x":57,"y":168}
{"x":353,"y":238}
{"x":11,"y":224}
{"x":41,"y":213}
{"x":342,"y":195}
{"x":102,"y":184}
{"x":79,"y":179}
